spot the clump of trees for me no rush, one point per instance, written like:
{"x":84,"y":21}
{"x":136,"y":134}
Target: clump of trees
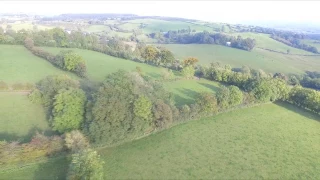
{"x":140,"y":105}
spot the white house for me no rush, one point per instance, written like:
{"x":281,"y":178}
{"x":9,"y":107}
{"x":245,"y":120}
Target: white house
{"x":228,"y":43}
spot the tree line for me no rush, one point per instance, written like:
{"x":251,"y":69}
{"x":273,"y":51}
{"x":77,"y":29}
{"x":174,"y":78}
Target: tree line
{"x":293,"y":40}
{"x":186,"y":37}
{"x":66,"y":60}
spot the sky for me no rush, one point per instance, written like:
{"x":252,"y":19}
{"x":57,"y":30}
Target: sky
{"x":215,"y":11}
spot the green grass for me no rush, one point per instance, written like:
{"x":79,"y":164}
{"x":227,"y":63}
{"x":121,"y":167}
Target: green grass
{"x":17,"y":64}
{"x":311,"y":42}
{"x":258,"y":59}
{"x":27,"y":26}
{"x":264,"y":41}
{"x":185,"y":91}
{"x":100,"y":65}
{"x":155,"y":25}
{"x":272,"y":141}
{"x":20,"y":118}
{"x":97,"y":28}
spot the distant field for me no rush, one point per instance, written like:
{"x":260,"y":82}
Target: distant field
{"x":272,"y":141}
{"x":186,"y":91}
{"x":311,"y":42}
{"x":264,"y":41}
{"x":97,"y":28}
{"x":17,"y":64}
{"x":20,"y":118}
{"x":100,"y":65}
{"x":27,"y":26}
{"x":257,"y":59}
{"x":155,"y":25}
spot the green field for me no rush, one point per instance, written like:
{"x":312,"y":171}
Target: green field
{"x":271,"y":141}
{"x":25,"y":25}
{"x":20,"y":118}
{"x":257,"y":58}
{"x":311,"y":42}
{"x":185,"y":91}
{"x":100,"y":65}
{"x":97,"y":28}
{"x":264,"y":41}
{"x":17,"y":64}
{"x":155,"y":25}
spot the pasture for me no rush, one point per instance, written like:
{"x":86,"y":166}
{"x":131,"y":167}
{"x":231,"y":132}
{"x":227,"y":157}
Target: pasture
{"x":186,"y":91}
{"x":258,"y":58}
{"x":20,"y":118}
{"x":99,"y":65}
{"x":271,"y":141}
{"x":17,"y":64}
{"x":156,"y":25}
{"x":264,"y":41}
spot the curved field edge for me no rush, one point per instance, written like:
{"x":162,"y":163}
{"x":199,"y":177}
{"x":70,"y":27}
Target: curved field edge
{"x":274,"y":141}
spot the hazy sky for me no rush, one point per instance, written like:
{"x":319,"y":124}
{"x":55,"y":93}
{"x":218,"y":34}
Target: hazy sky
{"x":217,"y":11}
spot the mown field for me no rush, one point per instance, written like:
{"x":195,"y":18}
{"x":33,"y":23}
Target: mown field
{"x":17,"y":64}
{"x":258,"y":58}
{"x":271,"y":141}
{"x":186,"y":91}
{"x":99,"y":65}
{"x":20,"y":118}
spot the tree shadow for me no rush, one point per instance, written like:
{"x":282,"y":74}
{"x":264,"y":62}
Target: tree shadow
{"x":212,"y":87}
{"x":154,"y":75}
{"x":189,"y":93}
{"x":26,"y":138}
{"x":55,"y":168}
{"x":299,"y":110}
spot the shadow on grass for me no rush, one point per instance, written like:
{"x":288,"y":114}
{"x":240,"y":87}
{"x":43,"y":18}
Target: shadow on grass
{"x":298,"y":110}
{"x":154,"y":75}
{"x":187,"y":92}
{"x":26,"y":138}
{"x":55,"y":168}
{"x":212,"y":87}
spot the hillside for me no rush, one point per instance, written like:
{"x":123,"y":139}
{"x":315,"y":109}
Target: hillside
{"x":20,"y":65}
{"x":258,"y":58}
{"x":271,"y":141}
{"x":99,"y":65}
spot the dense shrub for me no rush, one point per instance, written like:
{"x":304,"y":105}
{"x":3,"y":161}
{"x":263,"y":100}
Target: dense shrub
{"x":39,"y":147}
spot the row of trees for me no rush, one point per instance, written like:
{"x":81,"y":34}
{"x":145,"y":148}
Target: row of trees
{"x":292,"y":40}
{"x":66,"y":60}
{"x":205,"y":38}
{"x":261,"y":86}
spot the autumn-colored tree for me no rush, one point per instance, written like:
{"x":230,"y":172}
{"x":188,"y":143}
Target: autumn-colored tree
{"x":150,"y":54}
{"x":191,"y":61}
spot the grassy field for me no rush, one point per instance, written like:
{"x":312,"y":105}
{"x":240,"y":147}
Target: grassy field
{"x":155,"y":25}
{"x":26,"y":25}
{"x":311,"y":42}
{"x":17,"y":64}
{"x":185,"y":91}
{"x":257,"y":58}
{"x":100,"y":65}
{"x":20,"y":118}
{"x":271,"y":141}
{"x":264,"y":41}
{"x":97,"y":28}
